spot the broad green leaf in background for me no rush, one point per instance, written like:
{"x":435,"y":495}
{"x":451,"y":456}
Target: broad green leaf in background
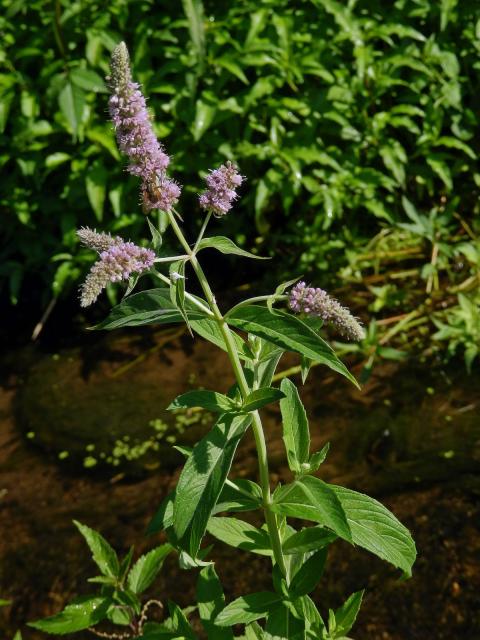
{"x":287,"y":332}
{"x":211,"y":601}
{"x":240,"y":534}
{"x":296,"y":434}
{"x":78,"y":615}
{"x":205,"y":110}
{"x":88,"y":80}
{"x":103,"y":554}
{"x":72,"y":104}
{"x":146,"y":568}
{"x":202,"y":480}
{"x":196,"y":26}
{"x":96,"y":186}
{"x":225,"y":245}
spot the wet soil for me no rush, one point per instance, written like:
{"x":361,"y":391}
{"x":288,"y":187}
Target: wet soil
{"x":411,"y":437}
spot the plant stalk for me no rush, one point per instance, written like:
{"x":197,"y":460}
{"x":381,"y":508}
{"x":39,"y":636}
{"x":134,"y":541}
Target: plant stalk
{"x":270,"y":517}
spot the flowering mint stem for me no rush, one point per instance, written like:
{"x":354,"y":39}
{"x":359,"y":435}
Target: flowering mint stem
{"x":257,"y":427}
{"x":189,"y":296}
{"x":202,"y":231}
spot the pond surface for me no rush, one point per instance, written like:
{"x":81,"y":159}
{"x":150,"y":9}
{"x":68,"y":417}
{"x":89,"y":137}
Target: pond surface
{"x":73,"y":428}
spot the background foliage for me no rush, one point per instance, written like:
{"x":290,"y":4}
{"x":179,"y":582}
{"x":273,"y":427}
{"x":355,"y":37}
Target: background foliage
{"x":356,"y":124}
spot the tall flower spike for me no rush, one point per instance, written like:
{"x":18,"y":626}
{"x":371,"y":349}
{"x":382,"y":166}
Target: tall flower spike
{"x":97,"y":241}
{"x":116,"y":263}
{"x":135,"y":135}
{"x":221,"y":193}
{"x":317,"y":302}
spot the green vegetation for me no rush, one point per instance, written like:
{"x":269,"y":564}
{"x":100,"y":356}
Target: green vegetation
{"x":355,"y":123}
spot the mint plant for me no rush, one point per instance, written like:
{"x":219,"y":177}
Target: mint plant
{"x":255,"y":334}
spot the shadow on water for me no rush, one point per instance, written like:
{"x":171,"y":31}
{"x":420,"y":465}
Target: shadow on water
{"x":73,"y":424}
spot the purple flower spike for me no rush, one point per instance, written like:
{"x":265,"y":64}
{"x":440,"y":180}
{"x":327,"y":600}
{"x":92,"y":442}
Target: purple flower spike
{"x":221,"y":183}
{"x":317,"y":302}
{"x":135,"y":136}
{"x":97,"y":241}
{"x":116,"y":263}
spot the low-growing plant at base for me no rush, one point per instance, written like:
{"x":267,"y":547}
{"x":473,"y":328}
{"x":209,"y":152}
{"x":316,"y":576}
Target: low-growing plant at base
{"x":206,"y":497}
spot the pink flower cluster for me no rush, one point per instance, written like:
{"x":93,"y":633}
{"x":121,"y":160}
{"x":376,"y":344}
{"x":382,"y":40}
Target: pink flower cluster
{"x":136,"y":138}
{"x":221,"y":193}
{"x":118,"y":260}
{"x":317,"y":302}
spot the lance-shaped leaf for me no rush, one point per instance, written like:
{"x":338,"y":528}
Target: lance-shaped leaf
{"x":310,"y":498}
{"x":344,"y":617}
{"x":78,"y":615}
{"x":146,"y":568}
{"x":202,"y":480}
{"x":309,"y":539}
{"x":376,"y":529}
{"x":248,"y":608}
{"x":283,"y":623}
{"x":308,"y":576}
{"x":260,"y":397}
{"x":210,"y":330}
{"x":211,"y":601}
{"x":148,"y":307}
{"x":102,"y":553}
{"x":225,"y":245}
{"x":296,"y":434}
{"x":210,"y":400}
{"x":288,"y":332}
{"x":240,"y":534}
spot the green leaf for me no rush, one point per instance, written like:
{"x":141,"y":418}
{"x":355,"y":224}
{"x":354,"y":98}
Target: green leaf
{"x":146,"y":568}
{"x":240,"y":534}
{"x":195,"y":15}
{"x":296,"y":434}
{"x":148,"y":307}
{"x":239,"y":495}
{"x":56,"y":159}
{"x":308,"y":576}
{"x":202,"y":480}
{"x":247,"y":608}
{"x":346,"y":615}
{"x":96,"y":185}
{"x":287,"y":332}
{"x":225,"y":245}
{"x":210,"y":330}
{"x":309,"y":539}
{"x":260,"y":397}
{"x":78,"y":615}
{"x":103,"y":555}
{"x":282,"y":624}
{"x":374,"y":528}
{"x":88,"y":80}
{"x":71,"y":101}
{"x":163,"y":518}
{"x":179,"y":622}
{"x":318,"y":458}
{"x":211,"y":601}
{"x":157,"y":239}
{"x":310,"y":498}
{"x":205,"y":110}
{"x":209,"y":400}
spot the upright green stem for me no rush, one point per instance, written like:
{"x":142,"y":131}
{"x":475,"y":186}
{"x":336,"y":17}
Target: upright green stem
{"x":257,"y":427}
